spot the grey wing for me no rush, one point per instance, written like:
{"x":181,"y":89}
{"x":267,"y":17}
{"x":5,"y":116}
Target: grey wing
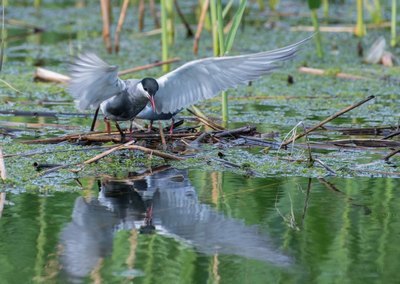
{"x":93,"y":81}
{"x":205,"y":78}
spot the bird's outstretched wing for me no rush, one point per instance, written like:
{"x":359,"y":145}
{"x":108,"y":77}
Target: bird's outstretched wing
{"x":205,"y":78}
{"x":93,"y":81}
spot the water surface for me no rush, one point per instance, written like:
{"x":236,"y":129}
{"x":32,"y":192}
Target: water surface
{"x":180,"y":226}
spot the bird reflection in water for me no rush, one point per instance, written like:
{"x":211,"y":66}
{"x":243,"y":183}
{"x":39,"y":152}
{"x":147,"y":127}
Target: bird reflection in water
{"x":165,"y":203}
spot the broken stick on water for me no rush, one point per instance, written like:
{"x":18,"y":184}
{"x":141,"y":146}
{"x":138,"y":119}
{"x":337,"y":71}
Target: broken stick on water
{"x":332,"y":117}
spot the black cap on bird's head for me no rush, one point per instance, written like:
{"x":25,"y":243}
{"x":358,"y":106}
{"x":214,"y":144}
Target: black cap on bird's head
{"x":150,"y":86}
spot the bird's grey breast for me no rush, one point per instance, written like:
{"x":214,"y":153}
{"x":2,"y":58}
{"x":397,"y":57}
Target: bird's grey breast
{"x":125,"y":105}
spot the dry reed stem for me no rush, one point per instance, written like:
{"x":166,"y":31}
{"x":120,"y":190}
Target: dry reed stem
{"x":202,"y":118}
{"x":200,"y":26}
{"x":374,"y":143}
{"x":189,"y":32}
{"x":338,"y":29}
{"x":339,"y":113}
{"x":154,"y":14}
{"x":47,"y":75}
{"x":154,"y":152}
{"x":141,"y":15}
{"x":321,"y":72}
{"x":121,"y":21}
{"x":162,"y":135}
{"x":105,"y":13}
{"x":391,"y":154}
{"x":106,"y":153}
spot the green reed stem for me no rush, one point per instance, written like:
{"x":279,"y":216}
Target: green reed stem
{"x":224,"y":95}
{"x":325,"y":8}
{"x":318,"y":41}
{"x":213,"y":12}
{"x":273,"y":4}
{"x":164,"y":35}
{"x":360,"y":27}
{"x":393,"y":40}
{"x":169,"y":5}
{"x":220,"y":29}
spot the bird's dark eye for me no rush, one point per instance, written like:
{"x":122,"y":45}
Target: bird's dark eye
{"x":145,"y":89}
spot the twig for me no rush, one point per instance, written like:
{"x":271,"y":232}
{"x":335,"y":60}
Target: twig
{"x":325,"y":166}
{"x":391,"y":135}
{"x":108,"y":152}
{"x":339,"y":113}
{"x":235,"y":132}
{"x":375,"y":143}
{"x":10,"y":86}
{"x":38,"y":167}
{"x":292,"y":134}
{"x":51,"y":170}
{"x":154,"y":152}
{"x":127,"y":145}
{"x":200,"y":138}
{"x":105,"y":137}
{"x":202,"y":19}
{"x":315,"y":71}
{"x":391,"y":154}
{"x":162,"y":135}
{"x":206,"y":121}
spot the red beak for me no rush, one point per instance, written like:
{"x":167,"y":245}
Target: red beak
{"x":153,"y":104}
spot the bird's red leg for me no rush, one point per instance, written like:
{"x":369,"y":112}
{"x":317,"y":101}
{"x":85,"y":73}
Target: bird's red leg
{"x":108,"y":125}
{"x":171,"y":129}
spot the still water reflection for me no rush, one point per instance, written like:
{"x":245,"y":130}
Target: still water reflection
{"x":179,"y":226}
{"x":165,"y":203}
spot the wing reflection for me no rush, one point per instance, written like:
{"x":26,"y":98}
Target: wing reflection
{"x":167,"y":202}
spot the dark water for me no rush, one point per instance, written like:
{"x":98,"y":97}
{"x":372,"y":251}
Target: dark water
{"x":180,"y":226}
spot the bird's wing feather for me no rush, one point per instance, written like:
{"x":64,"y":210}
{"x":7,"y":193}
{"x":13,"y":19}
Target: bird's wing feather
{"x":93,"y":81}
{"x":205,"y":78}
